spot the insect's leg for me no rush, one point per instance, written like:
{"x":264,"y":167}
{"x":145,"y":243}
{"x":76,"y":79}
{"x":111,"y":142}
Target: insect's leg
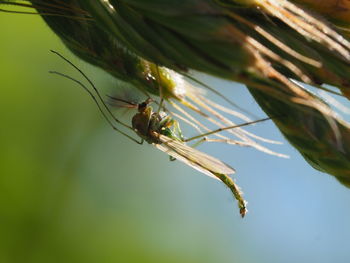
{"x":206,"y":139}
{"x":197,"y":143}
{"x":178,"y":130}
{"x":92,"y":85}
{"x":99,"y":107}
{"x":237,"y":193}
{"x":224,"y":129}
{"x":170,"y":157}
{"x":168,"y":122}
{"x":227,"y":141}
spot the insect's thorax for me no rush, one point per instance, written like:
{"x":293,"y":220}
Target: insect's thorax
{"x":149,"y":125}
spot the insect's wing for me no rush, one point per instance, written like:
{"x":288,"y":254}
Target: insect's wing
{"x":194,"y":158}
{"x":203,"y":163}
{"x":174,"y":154}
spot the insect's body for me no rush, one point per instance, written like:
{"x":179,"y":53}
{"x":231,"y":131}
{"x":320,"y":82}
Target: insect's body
{"x":159,"y":129}
{"x":162,"y":131}
{"x":149,"y":124}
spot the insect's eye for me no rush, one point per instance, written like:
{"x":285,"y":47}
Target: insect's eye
{"x":142,"y":106}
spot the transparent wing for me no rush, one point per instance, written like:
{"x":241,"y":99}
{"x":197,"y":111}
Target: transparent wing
{"x":194,"y":158}
{"x":205,"y":164}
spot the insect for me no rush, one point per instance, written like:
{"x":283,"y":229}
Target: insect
{"x":161,"y":130}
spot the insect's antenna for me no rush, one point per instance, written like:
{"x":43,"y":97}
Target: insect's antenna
{"x":131,"y":104}
{"x":96,"y":101}
{"x":94,"y":88}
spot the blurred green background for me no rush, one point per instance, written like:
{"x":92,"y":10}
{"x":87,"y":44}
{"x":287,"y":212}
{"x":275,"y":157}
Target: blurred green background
{"x":72,"y":190}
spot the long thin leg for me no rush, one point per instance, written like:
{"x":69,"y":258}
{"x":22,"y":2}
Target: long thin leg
{"x":178,"y":131}
{"x":185,"y":120}
{"x":224,"y":129}
{"x":98,"y":105}
{"x":92,"y":85}
{"x":227,"y":141}
{"x":223,"y":121}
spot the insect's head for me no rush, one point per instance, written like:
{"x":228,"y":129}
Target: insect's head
{"x":142,"y":106}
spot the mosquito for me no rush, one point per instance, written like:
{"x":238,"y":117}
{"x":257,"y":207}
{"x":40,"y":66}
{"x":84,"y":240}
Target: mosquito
{"x":162,"y":131}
